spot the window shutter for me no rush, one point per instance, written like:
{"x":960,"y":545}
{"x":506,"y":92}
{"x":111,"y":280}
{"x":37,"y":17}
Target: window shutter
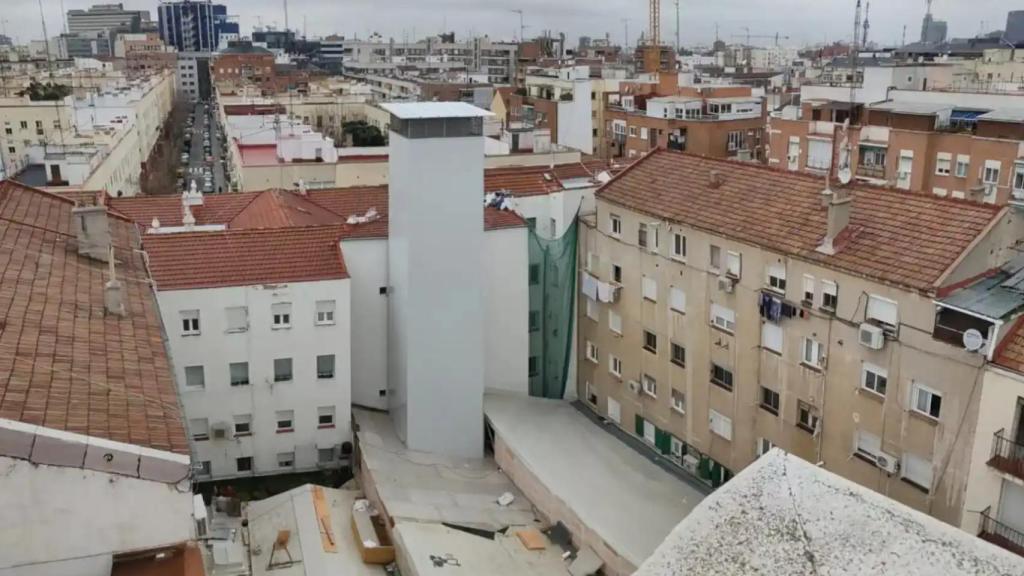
{"x":882,"y":310}
{"x":639,"y":425}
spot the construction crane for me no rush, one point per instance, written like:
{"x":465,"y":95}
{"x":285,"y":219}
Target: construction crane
{"x":748,"y":36}
{"x":654,"y":31}
{"x":522,"y":27}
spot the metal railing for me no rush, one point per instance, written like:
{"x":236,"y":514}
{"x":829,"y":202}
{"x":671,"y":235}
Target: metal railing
{"x":994,"y":531}
{"x":1007,"y":455}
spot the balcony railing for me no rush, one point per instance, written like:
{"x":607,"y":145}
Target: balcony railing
{"x":871,"y":171}
{"x":1007,"y":455}
{"x":1000,"y":534}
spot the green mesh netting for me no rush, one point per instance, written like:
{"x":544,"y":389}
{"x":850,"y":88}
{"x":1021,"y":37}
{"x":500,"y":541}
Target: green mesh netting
{"x":552,"y":303}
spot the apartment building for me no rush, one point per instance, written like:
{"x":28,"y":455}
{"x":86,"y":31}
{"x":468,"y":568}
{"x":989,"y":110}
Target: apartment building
{"x":561,"y":100}
{"x":730,"y":307}
{"x":193,"y":78}
{"x":90,"y":415}
{"x":105,"y":17}
{"x":484,"y":59}
{"x":716,"y":121}
{"x":963,"y":150}
{"x":243,"y":63}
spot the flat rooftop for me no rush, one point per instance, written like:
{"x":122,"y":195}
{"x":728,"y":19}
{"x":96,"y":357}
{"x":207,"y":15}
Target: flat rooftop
{"x":1004,"y":115}
{"x":423,"y":487}
{"x":427,"y":110}
{"x":626,"y":499}
{"x":782,"y":516}
{"x":914,"y":108}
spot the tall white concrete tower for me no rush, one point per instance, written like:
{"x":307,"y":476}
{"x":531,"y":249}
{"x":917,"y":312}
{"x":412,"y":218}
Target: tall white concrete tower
{"x":435,"y":262}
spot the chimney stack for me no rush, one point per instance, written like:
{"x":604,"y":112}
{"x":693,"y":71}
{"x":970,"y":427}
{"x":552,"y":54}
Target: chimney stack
{"x":302,"y":188}
{"x":715,"y":179}
{"x":113,"y":299}
{"x":92,"y":230}
{"x":192,"y":196}
{"x":839,"y":205}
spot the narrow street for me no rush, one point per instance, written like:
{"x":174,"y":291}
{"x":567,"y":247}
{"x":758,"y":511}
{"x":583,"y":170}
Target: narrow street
{"x":206,"y":165}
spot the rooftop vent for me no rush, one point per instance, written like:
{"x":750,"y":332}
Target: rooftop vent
{"x":715,"y":179}
{"x":92,"y":230}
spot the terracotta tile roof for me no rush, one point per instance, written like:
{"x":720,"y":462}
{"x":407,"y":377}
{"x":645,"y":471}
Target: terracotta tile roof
{"x":192,"y":260}
{"x":64,"y":363}
{"x":901,"y":238}
{"x":522,"y":181}
{"x":280,"y":209}
{"x":216,"y":208}
{"x":1010,"y":351}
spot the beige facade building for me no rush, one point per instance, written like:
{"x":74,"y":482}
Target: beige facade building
{"x":729,"y":307}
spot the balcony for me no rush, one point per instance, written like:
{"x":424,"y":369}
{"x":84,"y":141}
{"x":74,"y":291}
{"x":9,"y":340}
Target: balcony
{"x":1000,"y":534}
{"x":1007,"y":455}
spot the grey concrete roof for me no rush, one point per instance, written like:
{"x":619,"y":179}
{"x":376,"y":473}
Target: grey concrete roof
{"x":627,"y":500}
{"x":426,"y":110}
{"x":917,"y":108}
{"x":783,"y":516}
{"x":1004,"y":115}
{"x":994,"y":297}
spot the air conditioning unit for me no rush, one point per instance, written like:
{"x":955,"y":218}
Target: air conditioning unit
{"x":887,"y":462}
{"x":634,"y":387}
{"x":872,"y":336}
{"x":726,"y":284}
{"x":219,"y":431}
{"x":690,"y":464}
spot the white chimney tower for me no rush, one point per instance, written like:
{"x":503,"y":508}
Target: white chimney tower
{"x":436,"y":227}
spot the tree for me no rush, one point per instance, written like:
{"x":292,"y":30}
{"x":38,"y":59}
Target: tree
{"x":364,"y":134}
{"x":49,"y":91}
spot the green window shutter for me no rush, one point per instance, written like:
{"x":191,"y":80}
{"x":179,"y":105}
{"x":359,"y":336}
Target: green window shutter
{"x":662,"y":441}
{"x":704,"y":468}
{"x":639,"y":425}
{"x":716,"y":474}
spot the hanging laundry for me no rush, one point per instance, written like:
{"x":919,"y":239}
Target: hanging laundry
{"x":776,"y":310}
{"x":604,"y":292}
{"x":590,"y":286}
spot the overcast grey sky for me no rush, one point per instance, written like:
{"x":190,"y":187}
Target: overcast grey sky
{"x":804,"y":21}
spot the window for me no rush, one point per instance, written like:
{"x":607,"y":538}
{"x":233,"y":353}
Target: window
{"x":325,"y":455}
{"x":195,"y":377}
{"x":917,"y":471}
{"x":641,"y":239}
{"x":285,"y":420}
{"x":721,"y":377}
{"x":990,"y":174}
{"x":1018,"y":179}
{"x":720,"y":424}
{"x":678,"y":246}
{"x":244,"y":464}
{"x":200,"y":428}
{"x":615,"y":365}
{"x":771,"y":337}
{"x":777,"y":277}
{"x":650,"y":342}
{"x":962,"y":164}
{"x":592,"y":353}
{"x":829,"y":295}
{"x":650,"y":289}
{"x":634,"y":131}
{"x":616,"y":273}
{"x":924,"y":400}
{"x":943,"y":163}
{"x":588,"y":391}
{"x":735,"y":141}
{"x":732,"y":264}
{"x":615,"y":322}
{"x":808,"y":289}
{"x":615,"y":225}
{"x":532,"y":366}
{"x":189,"y":322}
{"x":534,"y":274}
{"x":806,"y":417}
{"x":534,"y":315}
{"x":24,"y":125}
{"x":614,"y":410}
{"x":882,"y":311}
{"x":868,"y":446}
{"x":819,"y":154}
{"x":812,"y":353}
{"x":723,"y":318}
{"x":650,"y":386}
{"x":592,"y":262}
{"x":874,"y":378}
{"x":325,"y":312}
{"x":679,"y":401}
{"x":678,"y":355}
{"x":205,"y":469}
{"x":677,"y":299}
{"x":282,"y":314}
{"x":324,"y":366}
{"x":285,"y":459}
{"x":770,"y":400}
{"x":237,"y":318}
{"x":282,"y":369}
{"x":239,"y":373}
{"x":325,"y":417}
{"x":715,"y":260}
{"x":243,"y":425}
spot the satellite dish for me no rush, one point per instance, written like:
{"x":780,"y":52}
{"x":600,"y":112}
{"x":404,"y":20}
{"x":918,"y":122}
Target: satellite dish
{"x":973,"y":340}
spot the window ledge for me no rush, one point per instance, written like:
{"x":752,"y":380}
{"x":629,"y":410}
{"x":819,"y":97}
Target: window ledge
{"x":924,"y":417}
{"x":865,"y":459}
{"x":771,"y":351}
{"x":616,"y":376}
{"x":678,"y":411}
{"x":592,"y":360}
{"x":285,"y":430}
{"x":319,"y":377}
{"x":722,"y":386}
{"x":722,"y":330}
{"x":768,"y":409}
{"x":323,"y":324}
{"x":811,"y":367}
{"x":282,"y":327}
{"x":325,"y":426}
{"x":651,"y":350}
{"x":651,"y":300}
{"x":236,"y":331}
{"x":679,"y":364}
{"x":649,"y":395}
{"x":200,"y":438}
{"x":774,"y":290}
{"x":242,"y":434}
{"x":678,"y":311}
{"x":869,"y":393}
{"x":282,"y":381}
{"x":915,"y":485}
{"x":805,"y":428}
{"x":187,"y":334}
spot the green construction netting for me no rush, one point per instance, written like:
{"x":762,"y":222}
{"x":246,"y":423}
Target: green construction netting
{"x":552,"y":304}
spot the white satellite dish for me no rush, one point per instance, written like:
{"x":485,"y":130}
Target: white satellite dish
{"x":973,"y":340}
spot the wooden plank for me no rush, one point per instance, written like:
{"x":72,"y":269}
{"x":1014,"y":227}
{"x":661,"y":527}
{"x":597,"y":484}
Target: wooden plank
{"x":532,"y":539}
{"x":323,"y":520}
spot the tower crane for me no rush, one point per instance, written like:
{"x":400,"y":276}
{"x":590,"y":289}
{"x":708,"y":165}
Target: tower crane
{"x":748,"y":36}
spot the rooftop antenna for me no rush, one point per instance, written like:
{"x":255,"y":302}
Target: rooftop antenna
{"x":286,"y":16}
{"x":678,"y":46}
{"x":904,"y":41}
{"x":625,"y":21}
{"x":867,"y":25}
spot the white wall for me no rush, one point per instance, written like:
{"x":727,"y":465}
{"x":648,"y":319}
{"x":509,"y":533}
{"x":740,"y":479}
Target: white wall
{"x":575,"y":122}
{"x":367,"y":263}
{"x":506,"y":309}
{"x":81,"y":516}
{"x":437,"y":326}
{"x":214,"y":349}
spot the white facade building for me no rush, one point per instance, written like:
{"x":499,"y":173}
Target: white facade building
{"x":265,"y":380}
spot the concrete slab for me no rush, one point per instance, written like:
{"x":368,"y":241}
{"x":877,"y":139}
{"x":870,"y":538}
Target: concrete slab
{"x":434,"y":488}
{"x":577,"y":473}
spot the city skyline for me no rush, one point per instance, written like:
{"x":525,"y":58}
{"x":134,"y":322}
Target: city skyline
{"x":830,"y":20}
